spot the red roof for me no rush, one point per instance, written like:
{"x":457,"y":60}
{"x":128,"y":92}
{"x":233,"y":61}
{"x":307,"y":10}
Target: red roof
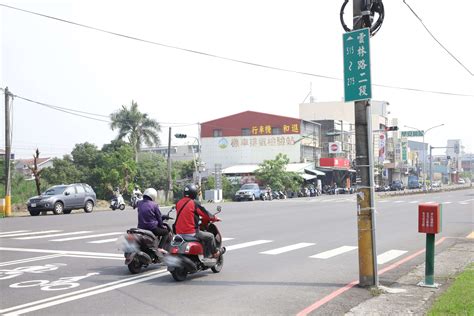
{"x":232,"y":125}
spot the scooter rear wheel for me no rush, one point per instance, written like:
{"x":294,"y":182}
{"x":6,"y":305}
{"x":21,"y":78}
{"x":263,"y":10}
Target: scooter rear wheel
{"x":179,"y":274}
{"x":135,"y":266}
{"x":122,"y":207}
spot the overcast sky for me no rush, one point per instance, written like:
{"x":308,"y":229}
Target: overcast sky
{"x":82,"y":69}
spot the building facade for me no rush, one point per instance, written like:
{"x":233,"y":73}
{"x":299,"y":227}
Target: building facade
{"x":252,"y":137}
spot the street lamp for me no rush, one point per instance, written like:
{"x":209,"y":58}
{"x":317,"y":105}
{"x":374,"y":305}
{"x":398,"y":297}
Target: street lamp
{"x":424,"y":150}
{"x":198,"y":170}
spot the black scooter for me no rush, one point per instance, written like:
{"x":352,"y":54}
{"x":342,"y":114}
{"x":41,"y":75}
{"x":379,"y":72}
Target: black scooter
{"x":140,"y":247}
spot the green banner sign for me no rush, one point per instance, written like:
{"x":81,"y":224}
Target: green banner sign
{"x":357,"y":84}
{"x":413,"y":133}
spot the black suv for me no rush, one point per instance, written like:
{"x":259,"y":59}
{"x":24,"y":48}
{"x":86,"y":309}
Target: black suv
{"x":62,"y":199}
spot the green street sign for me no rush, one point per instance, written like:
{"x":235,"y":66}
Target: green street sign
{"x":413,"y":133}
{"x":357,"y":84}
{"x":404,"y":145}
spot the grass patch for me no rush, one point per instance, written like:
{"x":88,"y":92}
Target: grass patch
{"x":459,"y":298}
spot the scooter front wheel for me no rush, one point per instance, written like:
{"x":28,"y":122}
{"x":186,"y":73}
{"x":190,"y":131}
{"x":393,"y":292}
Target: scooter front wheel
{"x":218,"y":267}
{"x":179,"y":274}
{"x":135,"y":266}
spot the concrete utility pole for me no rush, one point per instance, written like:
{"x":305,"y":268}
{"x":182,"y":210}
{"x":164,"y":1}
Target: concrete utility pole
{"x":8,"y":150}
{"x":364,"y":158}
{"x":170,"y":185}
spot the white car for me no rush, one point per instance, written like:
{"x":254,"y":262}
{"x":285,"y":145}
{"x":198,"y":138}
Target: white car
{"x":461,"y":181}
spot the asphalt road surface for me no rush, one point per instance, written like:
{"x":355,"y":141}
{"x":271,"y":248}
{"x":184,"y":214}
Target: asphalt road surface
{"x":285,"y":257}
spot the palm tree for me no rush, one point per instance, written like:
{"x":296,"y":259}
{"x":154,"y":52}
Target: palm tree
{"x":137,"y":126}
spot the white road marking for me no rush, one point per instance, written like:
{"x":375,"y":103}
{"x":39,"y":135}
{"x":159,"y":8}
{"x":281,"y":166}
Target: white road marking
{"x":389,"y":255}
{"x":430,"y":202}
{"x":447,"y":202}
{"x":13,"y":232}
{"x":382,"y":201}
{"x":54,"y":235}
{"x":464,"y":203}
{"x":227,"y":238}
{"x":64,"y":252}
{"x":247,"y":244}
{"x":10,"y":263}
{"x":334,"y":252}
{"x":287,"y":248}
{"x":398,"y":201}
{"x":122,"y":258}
{"x":413,"y":202}
{"x":102,"y":241}
{"x":31,"y":233}
{"x":467,"y":200}
{"x":67,"y":297}
{"x":85,"y":237}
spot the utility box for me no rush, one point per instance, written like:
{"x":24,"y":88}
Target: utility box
{"x":429,"y":218}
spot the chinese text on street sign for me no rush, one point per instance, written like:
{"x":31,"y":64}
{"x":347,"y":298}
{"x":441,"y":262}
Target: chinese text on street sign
{"x":357,"y":84}
{"x":412,"y":133}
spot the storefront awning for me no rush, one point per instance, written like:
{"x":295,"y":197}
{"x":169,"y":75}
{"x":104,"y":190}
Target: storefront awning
{"x":308,"y":176}
{"x":314,"y":172}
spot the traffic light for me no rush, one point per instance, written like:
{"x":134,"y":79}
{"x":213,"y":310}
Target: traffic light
{"x":180,"y":135}
{"x":391,"y":128}
{"x":456,"y":148}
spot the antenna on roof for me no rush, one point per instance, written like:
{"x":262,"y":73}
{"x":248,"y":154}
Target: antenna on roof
{"x":310,"y":94}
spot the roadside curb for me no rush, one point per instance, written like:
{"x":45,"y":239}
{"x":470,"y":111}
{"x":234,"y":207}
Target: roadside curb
{"x":419,"y":191}
{"x":404,"y":297}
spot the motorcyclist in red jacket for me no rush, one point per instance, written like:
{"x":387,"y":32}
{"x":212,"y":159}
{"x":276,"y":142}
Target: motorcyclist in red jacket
{"x":187,"y":220}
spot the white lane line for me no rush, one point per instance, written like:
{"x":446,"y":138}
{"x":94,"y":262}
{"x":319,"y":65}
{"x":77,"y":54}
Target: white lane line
{"x":64,"y":252}
{"x":287,"y":248}
{"x":430,"y":202}
{"x":413,"y":202}
{"x":382,"y":201}
{"x":85,"y":237}
{"x":247,"y":244}
{"x":10,"y":263}
{"x":447,"y":202}
{"x":227,"y":238}
{"x":102,"y":241}
{"x":54,"y":235}
{"x":67,"y":297}
{"x":398,"y":201}
{"x":333,"y":252}
{"x":467,"y":200}
{"x":94,"y":257}
{"x":389,"y":255}
{"x":32,"y":233}
{"x":13,"y":232}
{"x":464,"y":203}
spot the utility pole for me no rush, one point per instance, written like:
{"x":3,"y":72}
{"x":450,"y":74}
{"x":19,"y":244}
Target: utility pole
{"x":364,"y":158}
{"x":170,"y":185}
{"x":8,"y":149}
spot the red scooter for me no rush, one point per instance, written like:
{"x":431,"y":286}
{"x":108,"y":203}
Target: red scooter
{"x":186,"y":254}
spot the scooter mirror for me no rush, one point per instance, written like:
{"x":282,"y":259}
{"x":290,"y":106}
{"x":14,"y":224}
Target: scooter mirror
{"x":219,"y":209}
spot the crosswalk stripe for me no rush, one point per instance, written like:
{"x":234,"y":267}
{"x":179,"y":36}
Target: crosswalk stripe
{"x":31,"y":233}
{"x":287,"y":248}
{"x":248,"y":244}
{"x":102,"y":241}
{"x":54,"y":235}
{"x":413,"y":202}
{"x":14,"y":232}
{"x":333,"y":252}
{"x":227,"y":238}
{"x":389,"y":255}
{"x":85,"y":237}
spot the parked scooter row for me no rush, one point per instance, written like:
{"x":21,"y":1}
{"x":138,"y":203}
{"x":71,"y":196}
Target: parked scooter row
{"x":183,"y":255}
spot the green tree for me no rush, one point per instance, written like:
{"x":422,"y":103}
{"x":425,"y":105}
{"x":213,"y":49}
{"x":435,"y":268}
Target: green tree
{"x":137,"y":126}
{"x":273,"y":173}
{"x":63,"y":171}
{"x":152,"y":171}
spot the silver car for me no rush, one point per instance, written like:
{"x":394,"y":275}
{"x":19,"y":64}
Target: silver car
{"x":62,"y":199}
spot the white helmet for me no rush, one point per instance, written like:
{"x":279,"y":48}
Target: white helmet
{"x":151,"y":193}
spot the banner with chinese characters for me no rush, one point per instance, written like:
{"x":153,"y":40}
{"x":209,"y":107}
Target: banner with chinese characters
{"x":269,"y":130}
{"x":256,"y":141}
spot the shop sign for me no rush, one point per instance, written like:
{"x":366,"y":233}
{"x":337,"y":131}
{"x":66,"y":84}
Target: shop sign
{"x":335,"y":162}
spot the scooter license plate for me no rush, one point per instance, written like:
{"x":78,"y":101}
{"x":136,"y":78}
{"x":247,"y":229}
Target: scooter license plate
{"x":33,"y":204}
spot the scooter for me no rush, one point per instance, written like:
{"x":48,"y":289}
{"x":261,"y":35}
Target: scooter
{"x":117,"y":202}
{"x":140,"y":247}
{"x":135,"y":199}
{"x":186,"y":254}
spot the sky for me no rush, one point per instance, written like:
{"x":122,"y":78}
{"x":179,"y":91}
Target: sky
{"x":82,"y":69}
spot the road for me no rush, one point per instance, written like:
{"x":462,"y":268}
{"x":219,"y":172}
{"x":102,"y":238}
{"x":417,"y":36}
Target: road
{"x":283,"y":258}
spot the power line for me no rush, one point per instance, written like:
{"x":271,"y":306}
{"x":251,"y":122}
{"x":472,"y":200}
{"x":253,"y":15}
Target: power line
{"x":429,"y":32}
{"x":218,"y":56}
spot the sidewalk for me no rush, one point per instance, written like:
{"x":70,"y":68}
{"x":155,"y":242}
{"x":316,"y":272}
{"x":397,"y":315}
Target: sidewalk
{"x":404,"y":297}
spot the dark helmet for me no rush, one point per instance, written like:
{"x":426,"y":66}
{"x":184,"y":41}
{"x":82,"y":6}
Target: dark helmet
{"x":136,"y":187}
{"x":190,"y":191}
